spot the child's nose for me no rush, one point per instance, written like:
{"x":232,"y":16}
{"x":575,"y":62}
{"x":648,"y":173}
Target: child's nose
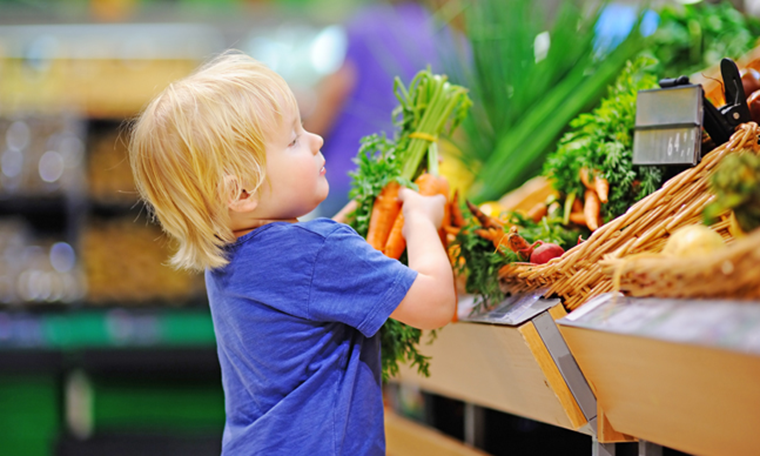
{"x":318,"y":142}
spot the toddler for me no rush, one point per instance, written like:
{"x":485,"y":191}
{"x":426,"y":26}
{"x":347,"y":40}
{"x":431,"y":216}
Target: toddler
{"x":227,"y":169}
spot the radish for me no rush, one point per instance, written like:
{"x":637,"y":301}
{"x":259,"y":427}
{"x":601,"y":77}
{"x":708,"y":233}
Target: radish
{"x":545,"y":252}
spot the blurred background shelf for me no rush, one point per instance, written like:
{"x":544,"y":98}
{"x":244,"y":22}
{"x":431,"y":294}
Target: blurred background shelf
{"x":84,"y":381}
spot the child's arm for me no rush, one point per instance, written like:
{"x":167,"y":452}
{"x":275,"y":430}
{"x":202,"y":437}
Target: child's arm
{"x":431,"y":301}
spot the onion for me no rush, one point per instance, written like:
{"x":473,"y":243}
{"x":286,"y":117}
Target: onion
{"x":693,"y":240}
{"x":545,"y":252}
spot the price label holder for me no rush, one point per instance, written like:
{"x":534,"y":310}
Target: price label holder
{"x":669,"y":120}
{"x":669,"y":126}
{"x":514,"y":310}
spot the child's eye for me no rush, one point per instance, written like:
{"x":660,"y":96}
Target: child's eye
{"x":293,"y":143}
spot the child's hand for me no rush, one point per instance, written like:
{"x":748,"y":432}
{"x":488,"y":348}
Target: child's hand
{"x":431,"y":300}
{"x":417,"y":206}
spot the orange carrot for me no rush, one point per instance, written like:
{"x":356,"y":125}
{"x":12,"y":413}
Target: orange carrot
{"x":591,"y":209}
{"x":384,"y":211}
{"x":457,"y":218}
{"x":443,"y":189}
{"x":497,"y":236}
{"x":428,"y":185}
{"x":584,"y":175}
{"x":485,"y":220}
{"x":577,"y":205}
{"x":538,"y":211}
{"x":578,"y":218}
{"x":602,"y":188}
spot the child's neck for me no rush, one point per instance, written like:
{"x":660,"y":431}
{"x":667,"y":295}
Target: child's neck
{"x":256,"y":223}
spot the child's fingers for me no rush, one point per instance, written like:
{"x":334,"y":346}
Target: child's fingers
{"x":402,"y":192}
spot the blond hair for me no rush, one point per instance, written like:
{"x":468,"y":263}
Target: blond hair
{"x":199,"y":143}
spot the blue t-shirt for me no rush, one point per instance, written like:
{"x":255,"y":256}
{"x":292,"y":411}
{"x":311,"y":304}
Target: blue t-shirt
{"x":296,"y":314}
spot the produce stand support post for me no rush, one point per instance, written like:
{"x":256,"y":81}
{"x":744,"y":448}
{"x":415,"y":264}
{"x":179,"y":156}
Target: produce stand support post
{"x":474,"y":429}
{"x":649,"y":449}
{"x":602,"y":449}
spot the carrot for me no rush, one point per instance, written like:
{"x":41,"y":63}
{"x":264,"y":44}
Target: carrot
{"x":486,"y":221}
{"x":538,"y":211}
{"x":443,"y":189}
{"x":602,"y":188}
{"x":457,"y":218}
{"x":584,"y":175}
{"x":578,"y":218}
{"x":497,"y":236}
{"x":591,"y":209}
{"x":384,"y":211}
{"x":428,"y":185}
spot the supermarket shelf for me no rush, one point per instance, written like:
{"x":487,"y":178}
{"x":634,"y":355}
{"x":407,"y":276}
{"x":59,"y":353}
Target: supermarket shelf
{"x":108,"y":340}
{"x":200,"y":361}
{"x":518,"y":369}
{"x":682,"y":374}
{"x":30,"y":361}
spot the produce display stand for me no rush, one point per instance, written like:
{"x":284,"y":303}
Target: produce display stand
{"x":513,"y":360}
{"x":679,"y":373}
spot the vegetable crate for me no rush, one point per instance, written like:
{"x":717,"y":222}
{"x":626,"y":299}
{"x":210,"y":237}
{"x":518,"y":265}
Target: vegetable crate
{"x":525,"y":369}
{"x":578,"y":274}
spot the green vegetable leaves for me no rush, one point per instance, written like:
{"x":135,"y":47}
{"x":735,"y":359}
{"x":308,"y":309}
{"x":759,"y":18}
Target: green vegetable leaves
{"x":691,"y":38}
{"x":603,"y":141}
{"x":736,"y":184}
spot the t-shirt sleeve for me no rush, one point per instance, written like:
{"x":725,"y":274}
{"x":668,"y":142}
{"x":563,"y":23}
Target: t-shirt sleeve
{"x":355,"y":284}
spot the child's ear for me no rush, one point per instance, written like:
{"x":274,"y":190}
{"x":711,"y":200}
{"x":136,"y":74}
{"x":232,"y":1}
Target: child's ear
{"x":243,"y":202}
{"x":240,"y":199}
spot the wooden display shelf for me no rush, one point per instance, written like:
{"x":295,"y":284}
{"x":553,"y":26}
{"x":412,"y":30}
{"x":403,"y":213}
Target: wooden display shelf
{"x":681,"y":374}
{"x":508,"y":368}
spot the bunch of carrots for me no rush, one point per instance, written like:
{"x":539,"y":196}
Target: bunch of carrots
{"x":430,"y":107}
{"x":588,"y":213}
{"x":387,"y":221}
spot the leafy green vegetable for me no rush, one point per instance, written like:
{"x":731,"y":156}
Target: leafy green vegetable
{"x":736,"y":184}
{"x":690,"y":38}
{"x":376,"y":166}
{"x":603,"y":141}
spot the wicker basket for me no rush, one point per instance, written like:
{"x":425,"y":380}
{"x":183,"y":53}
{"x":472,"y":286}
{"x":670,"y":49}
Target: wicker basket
{"x":733,"y":272}
{"x":577,"y":275}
